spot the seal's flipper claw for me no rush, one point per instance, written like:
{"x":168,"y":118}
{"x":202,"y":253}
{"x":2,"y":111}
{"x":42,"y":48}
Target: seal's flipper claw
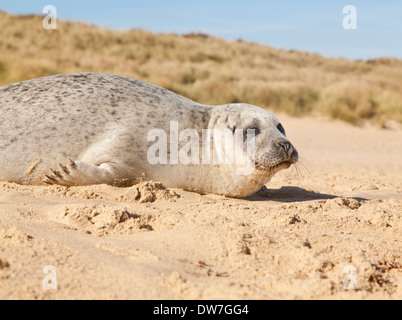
{"x":72,"y":163}
{"x":49,"y":180}
{"x":64,"y":168}
{"x":57,"y":173}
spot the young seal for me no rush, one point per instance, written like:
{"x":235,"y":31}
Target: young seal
{"x":89,"y":128}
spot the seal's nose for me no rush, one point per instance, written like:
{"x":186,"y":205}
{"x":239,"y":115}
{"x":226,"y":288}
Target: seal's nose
{"x":289,"y":150}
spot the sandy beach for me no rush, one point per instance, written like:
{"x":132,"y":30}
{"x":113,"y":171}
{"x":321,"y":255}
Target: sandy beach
{"x":295,"y":239}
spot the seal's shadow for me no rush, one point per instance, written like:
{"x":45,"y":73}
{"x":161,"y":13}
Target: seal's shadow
{"x":291,"y":194}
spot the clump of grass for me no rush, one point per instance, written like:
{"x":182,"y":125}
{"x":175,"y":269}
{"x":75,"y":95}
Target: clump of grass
{"x":295,"y":101}
{"x":3,"y":68}
{"x":206,"y":69}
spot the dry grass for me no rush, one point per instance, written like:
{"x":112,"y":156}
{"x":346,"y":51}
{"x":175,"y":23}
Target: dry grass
{"x":206,"y":69}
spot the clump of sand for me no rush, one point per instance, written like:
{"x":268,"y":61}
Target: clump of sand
{"x":148,"y":191}
{"x":100,"y":219}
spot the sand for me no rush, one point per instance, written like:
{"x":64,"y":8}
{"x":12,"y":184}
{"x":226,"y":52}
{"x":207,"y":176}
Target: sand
{"x":294,"y":239}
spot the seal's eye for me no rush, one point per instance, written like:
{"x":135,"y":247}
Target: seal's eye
{"x":281,"y":129}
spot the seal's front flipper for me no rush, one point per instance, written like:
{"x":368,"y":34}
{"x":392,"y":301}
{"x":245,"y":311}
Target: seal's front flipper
{"x":80,"y":173}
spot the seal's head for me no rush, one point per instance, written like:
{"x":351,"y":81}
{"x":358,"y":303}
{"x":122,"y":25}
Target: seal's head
{"x":272,"y":150}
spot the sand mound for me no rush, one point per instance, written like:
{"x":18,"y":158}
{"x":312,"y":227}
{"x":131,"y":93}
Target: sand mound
{"x":148,"y":191}
{"x":101,"y":220}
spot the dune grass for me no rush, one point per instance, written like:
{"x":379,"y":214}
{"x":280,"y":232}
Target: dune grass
{"x":206,"y":69}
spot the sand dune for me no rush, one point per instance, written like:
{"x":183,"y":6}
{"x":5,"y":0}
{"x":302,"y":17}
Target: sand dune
{"x":291,"y":240}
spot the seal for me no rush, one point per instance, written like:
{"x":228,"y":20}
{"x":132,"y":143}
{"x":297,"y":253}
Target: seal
{"x":91,"y":128}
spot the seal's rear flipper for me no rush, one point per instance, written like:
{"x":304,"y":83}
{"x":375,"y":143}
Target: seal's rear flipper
{"x":79,"y":173}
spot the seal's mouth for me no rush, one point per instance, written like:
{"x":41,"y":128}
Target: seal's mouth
{"x":276,"y":167}
{"x":286,"y":164}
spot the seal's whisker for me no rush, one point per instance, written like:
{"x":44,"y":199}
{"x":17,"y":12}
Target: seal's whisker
{"x":303,"y":165}
{"x":262,"y":178}
{"x":298,"y":171}
{"x":258,"y":186}
{"x":294,"y":168}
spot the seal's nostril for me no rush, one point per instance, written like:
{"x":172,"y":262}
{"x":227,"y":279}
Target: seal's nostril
{"x":287,"y":147}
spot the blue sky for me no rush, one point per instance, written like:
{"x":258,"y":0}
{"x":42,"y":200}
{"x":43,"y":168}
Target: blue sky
{"x":310,"y":25}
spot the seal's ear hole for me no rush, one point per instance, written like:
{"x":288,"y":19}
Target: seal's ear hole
{"x":281,"y":129}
